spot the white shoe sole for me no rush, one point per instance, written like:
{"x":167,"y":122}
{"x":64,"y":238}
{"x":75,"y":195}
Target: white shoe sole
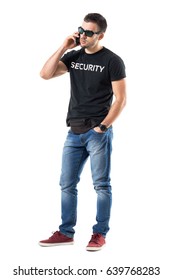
{"x":55,"y":244}
{"x":94,"y":248}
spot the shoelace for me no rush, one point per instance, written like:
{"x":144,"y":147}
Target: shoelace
{"x":95,"y":238}
{"x":53,"y":232}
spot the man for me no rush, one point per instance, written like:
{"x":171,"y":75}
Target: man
{"x":96,"y":75}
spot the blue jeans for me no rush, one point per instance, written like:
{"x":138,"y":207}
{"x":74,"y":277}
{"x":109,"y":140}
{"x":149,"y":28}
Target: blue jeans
{"x":77,"y":148}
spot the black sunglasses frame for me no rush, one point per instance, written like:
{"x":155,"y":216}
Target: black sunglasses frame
{"x":88,"y":33}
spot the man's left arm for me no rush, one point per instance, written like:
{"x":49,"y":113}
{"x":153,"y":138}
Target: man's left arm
{"x":119,"y":91}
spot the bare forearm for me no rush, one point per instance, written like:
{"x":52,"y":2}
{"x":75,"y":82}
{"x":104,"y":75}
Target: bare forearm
{"x":53,"y":67}
{"x":114,"y":112}
{"x":119,"y":90}
{"x":51,"y":64}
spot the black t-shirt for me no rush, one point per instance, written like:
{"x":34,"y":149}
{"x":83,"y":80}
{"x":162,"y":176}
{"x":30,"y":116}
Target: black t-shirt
{"x":91,"y":90}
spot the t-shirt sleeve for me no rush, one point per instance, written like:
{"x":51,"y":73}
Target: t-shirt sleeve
{"x":117,"y":69}
{"x":66,"y":58}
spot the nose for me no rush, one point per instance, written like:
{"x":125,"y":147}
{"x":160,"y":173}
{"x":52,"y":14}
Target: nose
{"x":83,"y":35}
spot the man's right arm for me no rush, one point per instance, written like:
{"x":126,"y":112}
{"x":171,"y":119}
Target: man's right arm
{"x":53,"y":66}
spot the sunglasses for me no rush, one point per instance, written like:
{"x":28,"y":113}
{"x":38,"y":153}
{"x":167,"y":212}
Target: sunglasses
{"x":88,"y":33}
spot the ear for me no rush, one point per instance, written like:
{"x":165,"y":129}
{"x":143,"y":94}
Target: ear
{"x":101,"y":36}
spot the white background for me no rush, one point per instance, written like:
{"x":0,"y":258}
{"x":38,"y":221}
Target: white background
{"x":33,"y":130}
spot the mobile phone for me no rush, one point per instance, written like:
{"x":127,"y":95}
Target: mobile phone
{"x":78,"y":40}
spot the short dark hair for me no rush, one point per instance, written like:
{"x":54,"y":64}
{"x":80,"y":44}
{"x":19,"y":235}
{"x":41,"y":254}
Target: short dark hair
{"x":98,"y":19}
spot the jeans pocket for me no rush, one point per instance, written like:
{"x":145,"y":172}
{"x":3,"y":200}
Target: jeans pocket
{"x":98,"y":133}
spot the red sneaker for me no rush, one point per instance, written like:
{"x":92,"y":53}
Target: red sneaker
{"x":96,"y":243}
{"x":57,"y":239}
